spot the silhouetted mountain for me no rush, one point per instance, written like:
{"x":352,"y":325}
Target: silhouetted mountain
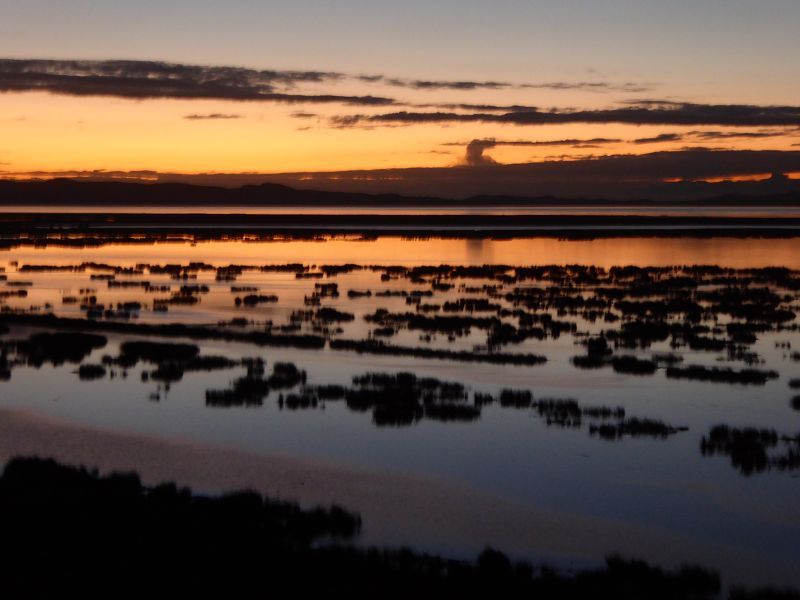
{"x":69,"y":192}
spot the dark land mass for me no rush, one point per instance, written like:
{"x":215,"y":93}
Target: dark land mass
{"x":71,"y":531}
{"x":117,"y":227}
{"x":70,"y":192}
{"x":97,"y":194}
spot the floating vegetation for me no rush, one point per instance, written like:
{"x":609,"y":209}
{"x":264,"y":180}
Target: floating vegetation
{"x":200,"y":332}
{"x":157,"y":352}
{"x":634,"y":428}
{"x":58,"y":348}
{"x":90,"y":372}
{"x":402,"y":399}
{"x":456,"y":325}
{"x":255,"y":299}
{"x":171,"y":360}
{"x":630,"y":365}
{"x":753,"y":450}
{"x":331,"y":315}
{"x":569,"y":413}
{"x":377,"y":347}
{"x":252,"y":389}
{"x":702,"y":308}
{"x":384,"y":331}
{"x":722,"y":374}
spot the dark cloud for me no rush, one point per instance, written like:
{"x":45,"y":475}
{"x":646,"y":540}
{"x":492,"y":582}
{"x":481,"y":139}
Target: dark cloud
{"x":475,"y":156}
{"x":652,"y":102}
{"x":156,"y":79}
{"x":733,"y":135}
{"x":424,"y":84}
{"x":419,"y":84}
{"x":479,"y":107}
{"x":709,"y":136}
{"x":475,"y":148}
{"x":591,"y":86}
{"x":94,"y":174}
{"x":657,"y":139}
{"x":644,"y":114}
{"x":344,"y":121}
{"x":303,"y":115}
{"x":212,"y":117}
{"x":152,"y":79}
{"x":570,"y":175}
{"x":567,"y":176}
{"x":369,"y":78}
{"x":564,"y":142}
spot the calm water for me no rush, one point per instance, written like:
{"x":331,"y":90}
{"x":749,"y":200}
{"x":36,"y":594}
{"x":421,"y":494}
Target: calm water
{"x":665,"y":483}
{"x":674,"y":211}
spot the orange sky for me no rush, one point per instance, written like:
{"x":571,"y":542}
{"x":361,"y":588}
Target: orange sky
{"x":46,"y":132}
{"x":420,"y":56}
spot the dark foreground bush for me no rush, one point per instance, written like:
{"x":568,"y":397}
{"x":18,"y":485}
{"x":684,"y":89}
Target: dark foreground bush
{"x":70,"y":532}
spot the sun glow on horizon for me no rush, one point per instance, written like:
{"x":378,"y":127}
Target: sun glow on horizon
{"x":44,"y":133}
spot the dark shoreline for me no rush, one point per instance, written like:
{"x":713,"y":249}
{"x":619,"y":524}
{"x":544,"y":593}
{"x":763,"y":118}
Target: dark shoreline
{"x":304,"y":225}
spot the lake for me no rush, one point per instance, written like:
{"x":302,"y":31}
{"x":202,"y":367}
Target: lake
{"x":697,"y":332}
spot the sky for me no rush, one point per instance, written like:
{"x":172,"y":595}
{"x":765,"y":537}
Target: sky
{"x":249,"y":86}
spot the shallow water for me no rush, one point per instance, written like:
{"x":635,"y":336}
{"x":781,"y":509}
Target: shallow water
{"x":666,"y":483}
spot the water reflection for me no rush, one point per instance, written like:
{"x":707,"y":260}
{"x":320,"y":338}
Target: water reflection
{"x":736,"y":252}
{"x":479,"y":251}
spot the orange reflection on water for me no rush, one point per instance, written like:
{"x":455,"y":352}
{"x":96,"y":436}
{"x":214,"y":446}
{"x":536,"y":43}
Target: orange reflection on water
{"x":604,"y":252}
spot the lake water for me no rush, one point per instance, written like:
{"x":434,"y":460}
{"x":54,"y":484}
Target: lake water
{"x":664,"y":482}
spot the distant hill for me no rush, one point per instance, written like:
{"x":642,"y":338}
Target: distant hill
{"x":70,"y":192}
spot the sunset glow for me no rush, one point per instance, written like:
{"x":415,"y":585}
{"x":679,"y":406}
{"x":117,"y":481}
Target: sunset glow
{"x":347,"y":110}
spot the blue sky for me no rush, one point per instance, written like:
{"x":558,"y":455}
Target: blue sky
{"x":744,"y":51}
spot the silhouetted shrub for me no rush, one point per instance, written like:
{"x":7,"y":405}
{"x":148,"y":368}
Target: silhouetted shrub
{"x":60,"y":520}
